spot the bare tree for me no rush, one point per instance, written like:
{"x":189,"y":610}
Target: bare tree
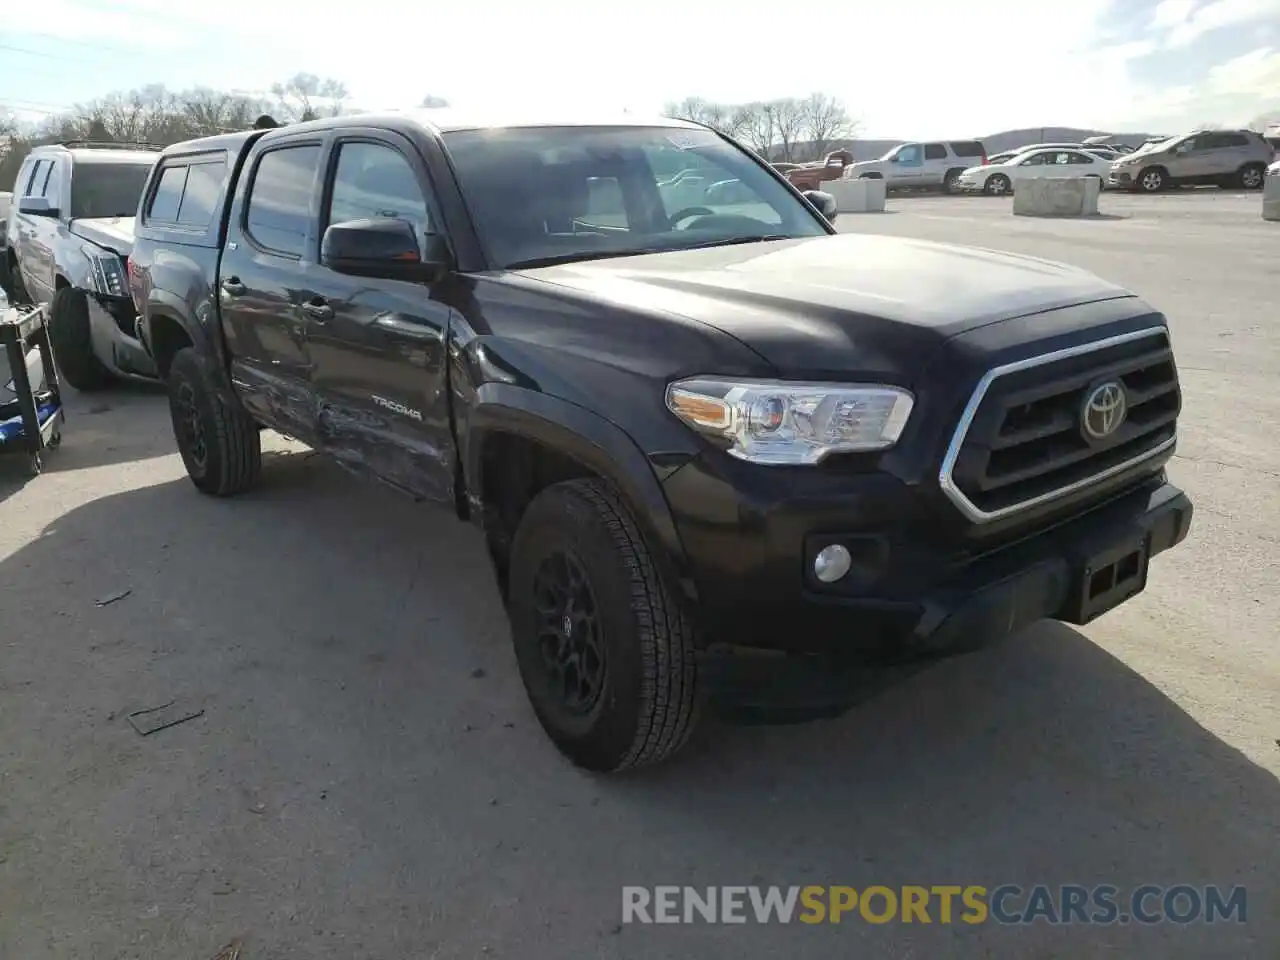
{"x":789,"y":124}
{"x":431,"y":101}
{"x":826,"y":121}
{"x":305,"y":96}
{"x":756,"y":127}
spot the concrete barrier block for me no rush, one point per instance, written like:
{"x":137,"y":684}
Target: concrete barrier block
{"x":1271,"y":198}
{"x":1057,"y":197}
{"x":856,"y":196}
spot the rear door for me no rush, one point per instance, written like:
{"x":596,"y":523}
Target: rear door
{"x":936,"y":163}
{"x":270,"y":242}
{"x":27,"y":242}
{"x":377,"y":347}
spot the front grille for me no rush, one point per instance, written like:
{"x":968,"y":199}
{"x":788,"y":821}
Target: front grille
{"x":1022,"y":440}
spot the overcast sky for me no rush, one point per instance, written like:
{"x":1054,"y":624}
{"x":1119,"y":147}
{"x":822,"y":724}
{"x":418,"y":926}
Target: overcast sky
{"x":905,"y":68}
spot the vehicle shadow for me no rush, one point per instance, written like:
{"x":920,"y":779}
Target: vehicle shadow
{"x":119,"y":424}
{"x":367,"y":761}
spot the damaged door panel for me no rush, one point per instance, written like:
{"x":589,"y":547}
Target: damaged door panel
{"x":377,"y":346}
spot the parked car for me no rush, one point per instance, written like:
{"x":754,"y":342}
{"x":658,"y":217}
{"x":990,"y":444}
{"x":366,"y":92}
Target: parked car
{"x":932,"y":165}
{"x":1227,"y":158}
{"x":810,"y":176}
{"x":6,"y":201}
{"x":997,"y":179}
{"x":683,"y":432}
{"x":70,"y":233}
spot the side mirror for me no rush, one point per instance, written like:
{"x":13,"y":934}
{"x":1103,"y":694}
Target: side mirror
{"x":385,"y":248}
{"x":825,"y":203}
{"x":37,"y":207}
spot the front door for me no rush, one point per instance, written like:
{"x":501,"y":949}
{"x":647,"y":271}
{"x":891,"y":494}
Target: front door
{"x":377,"y":346}
{"x":262,"y":265}
{"x":907,"y":168}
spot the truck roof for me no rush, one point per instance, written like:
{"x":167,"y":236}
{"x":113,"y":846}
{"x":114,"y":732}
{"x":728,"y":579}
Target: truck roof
{"x":440,"y":120}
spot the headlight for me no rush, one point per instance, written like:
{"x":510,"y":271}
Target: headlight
{"x":106,"y":272}
{"x":776,"y":422}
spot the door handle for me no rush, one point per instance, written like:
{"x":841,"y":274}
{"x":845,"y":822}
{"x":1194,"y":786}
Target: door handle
{"x":232,"y":287}
{"x":318,"y":310}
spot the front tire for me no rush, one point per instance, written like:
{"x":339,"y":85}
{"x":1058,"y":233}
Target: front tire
{"x":604,"y":647}
{"x":1152,"y":180}
{"x":220,"y":444}
{"x":997,"y":185}
{"x":71,"y":337}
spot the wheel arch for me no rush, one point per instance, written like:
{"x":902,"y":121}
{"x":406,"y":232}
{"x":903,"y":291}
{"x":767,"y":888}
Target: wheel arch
{"x":568,"y":441}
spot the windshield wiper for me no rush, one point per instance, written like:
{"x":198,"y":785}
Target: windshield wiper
{"x":731,"y":241}
{"x":560,"y":258}
{"x":580,"y":257}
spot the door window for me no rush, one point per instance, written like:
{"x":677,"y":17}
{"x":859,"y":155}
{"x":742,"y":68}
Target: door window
{"x":910,"y":154}
{"x":39,"y":173}
{"x":52,"y":183}
{"x":935,"y":151}
{"x":374,"y":180}
{"x":1079,"y":158}
{"x":1037,"y":160}
{"x":279,"y":205}
{"x":168,"y":195}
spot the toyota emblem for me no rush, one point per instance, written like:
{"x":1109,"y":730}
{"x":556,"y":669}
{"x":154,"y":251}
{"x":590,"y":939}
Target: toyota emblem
{"x":1105,"y":408}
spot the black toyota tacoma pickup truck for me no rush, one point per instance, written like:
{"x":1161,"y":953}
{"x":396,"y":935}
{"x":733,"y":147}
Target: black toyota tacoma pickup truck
{"x":687,"y":430}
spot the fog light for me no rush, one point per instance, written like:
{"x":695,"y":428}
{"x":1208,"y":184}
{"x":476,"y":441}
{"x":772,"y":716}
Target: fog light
{"x":831,"y":563}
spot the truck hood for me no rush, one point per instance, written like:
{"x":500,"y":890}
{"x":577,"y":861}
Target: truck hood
{"x":839,"y":305}
{"x":113,"y":233}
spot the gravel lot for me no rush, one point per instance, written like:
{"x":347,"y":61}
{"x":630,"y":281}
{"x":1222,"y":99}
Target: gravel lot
{"x":367,"y":781}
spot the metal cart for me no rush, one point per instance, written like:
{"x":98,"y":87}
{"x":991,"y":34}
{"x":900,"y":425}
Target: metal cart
{"x":32,"y":420}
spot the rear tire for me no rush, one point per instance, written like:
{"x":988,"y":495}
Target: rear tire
{"x":71,"y":336}
{"x":1252,"y":176}
{"x":949,"y":181}
{"x":605,"y":650}
{"x":220,"y":444}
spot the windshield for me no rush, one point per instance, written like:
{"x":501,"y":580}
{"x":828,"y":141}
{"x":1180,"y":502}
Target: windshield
{"x":556,"y":194}
{"x":101,"y":189}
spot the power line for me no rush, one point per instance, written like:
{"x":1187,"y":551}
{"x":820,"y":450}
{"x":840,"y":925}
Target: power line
{"x":27,"y":51}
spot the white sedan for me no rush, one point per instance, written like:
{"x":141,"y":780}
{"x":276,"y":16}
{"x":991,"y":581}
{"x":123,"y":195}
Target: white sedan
{"x":997,"y":179}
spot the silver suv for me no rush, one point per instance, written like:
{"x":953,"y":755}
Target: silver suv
{"x":1227,"y":158}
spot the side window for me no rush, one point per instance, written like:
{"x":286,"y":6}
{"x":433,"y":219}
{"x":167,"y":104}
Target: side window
{"x":1037,"y":160}
{"x":35,"y":182}
{"x":1078,"y":158}
{"x":935,"y":151}
{"x":52,"y":181}
{"x":967,"y":148}
{"x":1062,"y":158}
{"x":1236,"y":140}
{"x":279,"y":203}
{"x":200,"y":197}
{"x":168,"y":195}
{"x":909,"y":154}
{"x":373,"y":180}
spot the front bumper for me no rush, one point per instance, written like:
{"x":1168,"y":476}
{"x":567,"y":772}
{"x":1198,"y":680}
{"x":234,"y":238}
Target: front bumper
{"x":914,"y":589}
{"x":1121,"y":179}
